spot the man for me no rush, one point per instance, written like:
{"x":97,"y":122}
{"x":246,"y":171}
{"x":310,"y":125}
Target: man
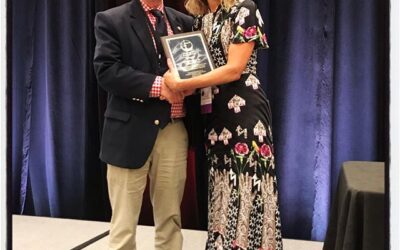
{"x":143,"y":134}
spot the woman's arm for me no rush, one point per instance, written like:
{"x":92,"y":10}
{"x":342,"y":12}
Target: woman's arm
{"x":238,"y":56}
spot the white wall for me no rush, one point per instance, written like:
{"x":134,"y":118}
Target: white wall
{"x":395,"y":125}
{"x":3,"y":132}
{"x":3,"y":113}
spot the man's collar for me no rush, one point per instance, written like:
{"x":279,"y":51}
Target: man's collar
{"x":147,"y":8}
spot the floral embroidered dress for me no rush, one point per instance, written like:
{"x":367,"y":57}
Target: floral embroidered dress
{"x":243,"y":197}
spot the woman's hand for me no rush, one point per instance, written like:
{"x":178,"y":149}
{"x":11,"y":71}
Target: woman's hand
{"x":171,"y":77}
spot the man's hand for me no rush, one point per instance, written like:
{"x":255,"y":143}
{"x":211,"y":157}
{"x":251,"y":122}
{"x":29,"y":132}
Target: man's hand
{"x":169,"y":95}
{"x":171,"y":77}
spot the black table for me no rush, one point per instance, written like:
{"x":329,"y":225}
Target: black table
{"x":357,"y":213}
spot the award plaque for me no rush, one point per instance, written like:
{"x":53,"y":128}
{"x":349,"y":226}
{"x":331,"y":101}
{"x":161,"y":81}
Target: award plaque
{"x":189,"y":53}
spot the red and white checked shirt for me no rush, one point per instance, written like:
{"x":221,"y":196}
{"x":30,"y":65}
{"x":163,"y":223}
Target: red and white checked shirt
{"x":177,"y":109}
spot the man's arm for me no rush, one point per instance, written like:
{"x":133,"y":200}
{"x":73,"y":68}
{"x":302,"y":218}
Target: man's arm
{"x":112,"y":74}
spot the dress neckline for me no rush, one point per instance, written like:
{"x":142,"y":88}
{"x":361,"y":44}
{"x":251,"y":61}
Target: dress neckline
{"x":216,"y":10}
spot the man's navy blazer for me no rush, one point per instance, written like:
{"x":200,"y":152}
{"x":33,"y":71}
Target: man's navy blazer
{"x":125,"y":63}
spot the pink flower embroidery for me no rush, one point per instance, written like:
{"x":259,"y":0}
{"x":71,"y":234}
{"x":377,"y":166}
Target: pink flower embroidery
{"x":241,"y":148}
{"x":250,"y":32}
{"x":265,"y":151}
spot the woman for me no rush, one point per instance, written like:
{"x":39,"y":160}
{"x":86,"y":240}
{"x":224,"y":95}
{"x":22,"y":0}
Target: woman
{"x":243,"y":197}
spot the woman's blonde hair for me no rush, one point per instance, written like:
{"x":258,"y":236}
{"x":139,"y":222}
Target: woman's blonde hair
{"x":200,"y":7}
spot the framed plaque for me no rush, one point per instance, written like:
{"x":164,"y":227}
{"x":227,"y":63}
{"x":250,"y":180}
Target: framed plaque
{"x":189,"y":53}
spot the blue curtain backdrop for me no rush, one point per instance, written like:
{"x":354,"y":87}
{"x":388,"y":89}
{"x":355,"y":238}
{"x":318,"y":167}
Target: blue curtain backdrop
{"x":55,"y":134}
{"x":326,"y":75}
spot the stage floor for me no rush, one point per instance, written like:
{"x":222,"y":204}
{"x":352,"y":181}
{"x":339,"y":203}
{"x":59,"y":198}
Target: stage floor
{"x":42,"y":233}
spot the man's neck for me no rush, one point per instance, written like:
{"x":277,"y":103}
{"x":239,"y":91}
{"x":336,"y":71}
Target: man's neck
{"x":153,"y":3}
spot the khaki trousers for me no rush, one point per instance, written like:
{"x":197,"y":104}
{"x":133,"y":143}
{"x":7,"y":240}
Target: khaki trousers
{"x":166,"y":168}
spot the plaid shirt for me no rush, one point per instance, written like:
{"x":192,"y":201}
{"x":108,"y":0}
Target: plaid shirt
{"x":177,"y":109}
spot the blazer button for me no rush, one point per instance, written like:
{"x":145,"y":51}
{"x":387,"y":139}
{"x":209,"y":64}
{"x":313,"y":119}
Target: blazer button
{"x":157,"y":122}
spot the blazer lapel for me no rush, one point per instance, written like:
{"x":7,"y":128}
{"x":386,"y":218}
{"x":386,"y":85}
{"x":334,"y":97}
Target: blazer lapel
{"x":140,"y":26}
{"x":175,"y":24}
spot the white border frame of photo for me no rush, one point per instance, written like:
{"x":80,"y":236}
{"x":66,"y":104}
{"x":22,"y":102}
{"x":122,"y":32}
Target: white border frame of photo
{"x":394,"y":125}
